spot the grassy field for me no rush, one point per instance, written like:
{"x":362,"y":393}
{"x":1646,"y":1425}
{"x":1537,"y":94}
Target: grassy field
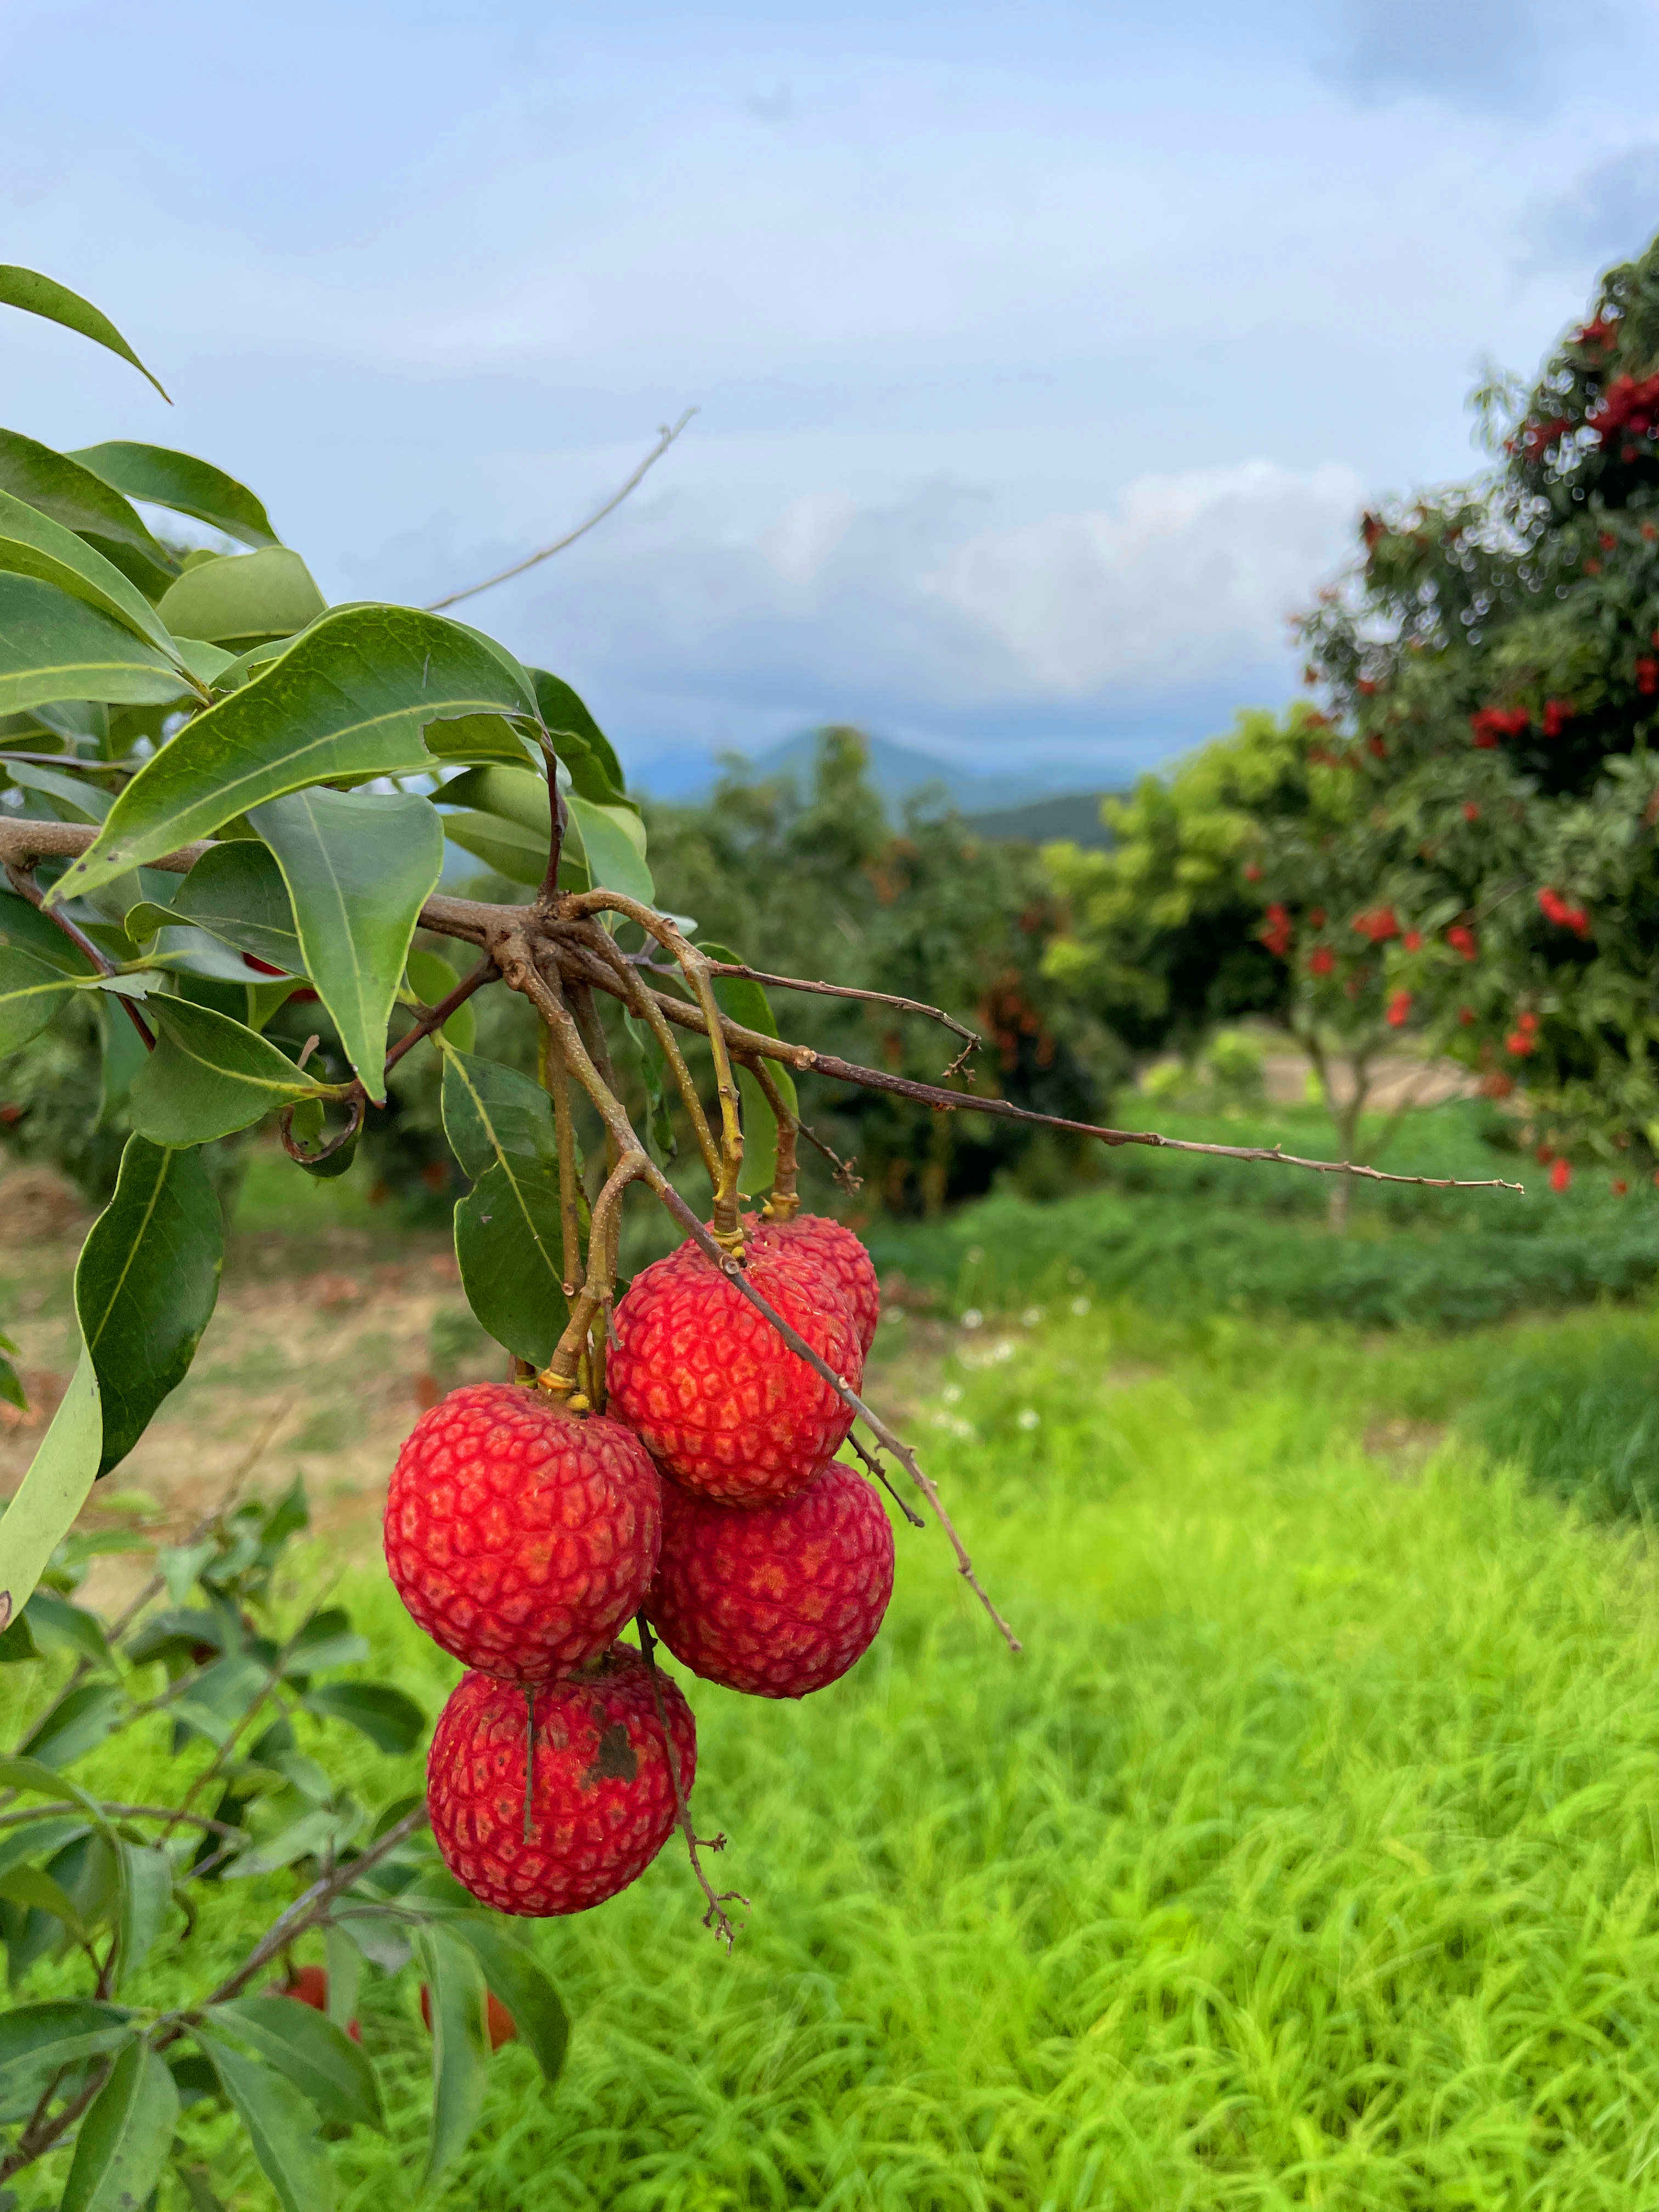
{"x":1309,"y":1854}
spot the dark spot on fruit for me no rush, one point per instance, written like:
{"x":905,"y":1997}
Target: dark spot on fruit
{"x":614,"y":1761}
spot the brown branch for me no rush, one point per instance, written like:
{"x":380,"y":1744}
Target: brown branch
{"x":38,"y":2139}
{"x":641,"y":1001}
{"x":20,"y":876}
{"x":433,"y":1017}
{"x":716,"y":1916}
{"x":666,"y":438}
{"x":171,"y":1813}
{"x":847,"y":991}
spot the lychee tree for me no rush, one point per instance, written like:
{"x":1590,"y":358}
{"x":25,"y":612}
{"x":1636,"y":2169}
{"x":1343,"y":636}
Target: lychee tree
{"x":1491,"y":667}
{"x":225,"y":798}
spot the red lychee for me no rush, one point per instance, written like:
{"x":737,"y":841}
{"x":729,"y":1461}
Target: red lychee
{"x":718,"y":1397}
{"x":778,"y":1600}
{"x":601,"y":1798}
{"x":519,"y":1536}
{"x":835,"y":1254}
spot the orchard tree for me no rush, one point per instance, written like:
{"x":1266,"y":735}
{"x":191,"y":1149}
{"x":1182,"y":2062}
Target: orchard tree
{"x":1492,"y":668}
{"x":229,"y":798}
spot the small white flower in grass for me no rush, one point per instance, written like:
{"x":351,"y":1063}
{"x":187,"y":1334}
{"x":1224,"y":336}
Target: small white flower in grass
{"x":1027,"y":1417}
{"x":975,"y":1253}
{"x":951,"y":1394}
{"x":972,"y":1318}
{"x":1031,"y":1316}
{"x":1003,"y":1348}
{"x":1080,"y":1307}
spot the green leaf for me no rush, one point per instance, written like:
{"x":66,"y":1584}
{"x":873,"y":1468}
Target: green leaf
{"x":126,"y":2137}
{"x":484,"y":738}
{"x":746,"y":1001}
{"x":326,"y":1639}
{"x":30,"y":994}
{"x":75,"y":798}
{"x":51,"y":1494}
{"x":208,"y":1076}
{"x":432,"y":979}
{"x":71,"y":493}
{"x":517,"y":854}
{"x":613,"y":839}
{"x":494,"y":1114}
{"x":39,"y":2038}
{"x":124,"y":1054}
{"x":508,"y":1245}
{"x":77,"y":1724}
{"x":61,"y":1627}
{"x":461,"y":2045}
{"x":393,"y":1722}
{"x":359,"y":866}
{"x":513,"y":794}
{"x":146,"y":1894}
{"x":236,"y":892}
{"x":350,"y":698}
{"x":17,"y":1642}
{"x":25,"y":928}
{"x":146,"y":1283}
{"x":513,"y":1976}
{"x":44,"y":295}
{"x":243,"y":597}
{"x":32,"y":544}
{"x":323,"y":1829}
{"x":182,"y":482}
{"x":595,"y":772}
{"x":279,"y":2124}
{"x":320,"y":2058}
{"x":34,"y":1889}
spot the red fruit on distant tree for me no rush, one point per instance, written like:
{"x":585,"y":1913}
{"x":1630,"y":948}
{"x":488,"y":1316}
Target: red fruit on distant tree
{"x":720,"y":1399}
{"x":825,"y":1248}
{"x":1399,"y":1010}
{"x":777,"y":1601}
{"x":520,"y":1536}
{"x":1471,"y":811}
{"x":1413,"y":940}
{"x":1620,"y":1188}
{"x":1322,"y":960}
{"x":503,"y":2029}
{"x":1560,"y":1176}
{"x":1460,"y":937}
{"x":601,"y":1795}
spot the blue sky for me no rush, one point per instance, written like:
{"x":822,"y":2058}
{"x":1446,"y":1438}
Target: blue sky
{"x":1043,"y":354}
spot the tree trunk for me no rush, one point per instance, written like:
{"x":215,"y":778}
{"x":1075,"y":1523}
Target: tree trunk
{"x":1347,"y":1118}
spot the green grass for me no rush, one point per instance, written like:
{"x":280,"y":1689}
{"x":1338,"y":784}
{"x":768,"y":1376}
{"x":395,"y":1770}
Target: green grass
{"x":1308,"y":1855}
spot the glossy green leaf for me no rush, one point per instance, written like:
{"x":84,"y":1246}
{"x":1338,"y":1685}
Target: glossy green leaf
{"x":746,"y":1001}
{"x":595,"y":772}
{"x":236,"y":892}
{"x":25,"y":929}
{"x":482,"y":738}
{"x":359,"y":866}
{"x":74,"y":797}
{"x":44,"y":295}
{"x":77,"y":1724}
{"x":507,"y":1243}
{"x":122,"y":1056}
{"x":30,"y":994}
{"x":34,"y":1889}
{"x":460,"y":2045}
{"x":318,"y":2057}
{"x":69,"y":493}
{"x":350,"y":698}
{"x":208,"y":1076}
{"x":517,"y":854}
{"x":513,"y":794}
{"x":51,"y":1494}
{"x":124,"y":2141}
{"x":146,"y":1283}
{"x":513,"y":1975}
{"x":392,"y":1721}
{"x":37,"y":2039}
{"x":32,"y":544}
{"x":613,"y":839}
{"x":61,"y":1626}
{"x":17,"y":1641}
{"x":244,"y":596}
{"x":146,"y":1897}
{"x":494,"y":1114}
{"x":431,"y":978}
{"x":182,"y":482}
{"x":279,"y":2124}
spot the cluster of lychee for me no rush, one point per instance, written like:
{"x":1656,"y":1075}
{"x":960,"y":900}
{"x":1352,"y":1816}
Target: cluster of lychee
{"x":523,"y":1534}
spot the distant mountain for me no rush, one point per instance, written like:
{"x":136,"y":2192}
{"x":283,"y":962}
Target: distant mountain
{"x":897,"y":771}
{"x":1075,"y":816}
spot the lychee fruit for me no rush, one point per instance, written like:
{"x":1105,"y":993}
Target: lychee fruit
{"x":601,"y":1797}
{"x":834,"y":1253}
{"x":717,"y":1395}
{"x":520,"y":1536}
{"x":782,"y":1599}
{"x":503,"y":2029}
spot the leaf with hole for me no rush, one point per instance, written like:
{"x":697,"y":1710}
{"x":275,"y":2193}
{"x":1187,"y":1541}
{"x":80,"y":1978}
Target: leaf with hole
{"x":182,"y":482}
{"x":44,"y":295}
{"x":208,"y":1076}
{"x":359,"y":866}
{"x":348,"y":699}
{"x":146,"y":1284}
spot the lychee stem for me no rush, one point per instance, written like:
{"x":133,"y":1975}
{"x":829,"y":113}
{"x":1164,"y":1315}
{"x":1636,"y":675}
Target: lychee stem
{"x":716,"y":1916}
{"x":555,"y":1078}
{"x":642,"y":1002}
{"x":784,"y":1203}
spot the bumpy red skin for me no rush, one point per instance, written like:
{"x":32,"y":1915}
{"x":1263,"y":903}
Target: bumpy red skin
{"x":601,"y":1800}
{"x":520,"y":1537}
{"x":720,"y":1401}
{"x":779,"y":1601}
{"x":819,"y":1242}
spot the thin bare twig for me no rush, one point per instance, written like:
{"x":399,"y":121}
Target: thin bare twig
{"x":666,"y":438}
{"x":849,"y":991}
{"x":716,"y":1916}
